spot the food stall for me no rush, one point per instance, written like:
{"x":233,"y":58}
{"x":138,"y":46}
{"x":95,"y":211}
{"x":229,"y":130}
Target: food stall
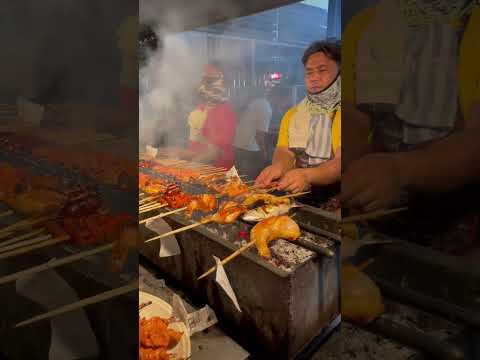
{"x":64,"y":199}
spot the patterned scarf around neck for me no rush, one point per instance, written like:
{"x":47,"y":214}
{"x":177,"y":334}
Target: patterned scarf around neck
{"x":212,"y":90}
{"x":424,"y":12}
{"x":327,"y":100}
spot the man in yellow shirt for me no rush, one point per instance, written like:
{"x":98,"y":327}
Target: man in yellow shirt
{"x":417,"y":89}
{"x":308,"y":149}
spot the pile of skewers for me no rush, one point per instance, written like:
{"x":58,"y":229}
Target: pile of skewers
{"x":232,"y":199}
{"x":101,"y":165}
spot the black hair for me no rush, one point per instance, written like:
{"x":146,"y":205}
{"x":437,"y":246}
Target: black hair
{"x":331,"y":49}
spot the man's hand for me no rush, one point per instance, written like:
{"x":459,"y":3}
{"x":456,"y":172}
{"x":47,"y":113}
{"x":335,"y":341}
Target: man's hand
{"x":295,"y":181}
{"x":373,"y":182}
{"x":269,"y":174}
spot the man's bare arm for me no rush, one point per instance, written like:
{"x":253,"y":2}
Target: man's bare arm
{"x":445,"y":165}
{"x":283,"y":158}
{"x":327,"y":173}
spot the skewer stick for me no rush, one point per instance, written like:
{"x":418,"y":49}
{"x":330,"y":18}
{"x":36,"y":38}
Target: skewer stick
{"x":6,"y":213}
{"x":147,"y":199}
{"x":185,"y":228}
{"x":294,"y":195}
{"x":20,"y":244}
{"x":26,"y":223}
{"x":211,"y":172}
{"x":155,"y":207}
{"x":82,"y":303}
{"x":273,"y":186}
{"x":150,"y":203}
{"x":31,"y":248}
{"x":228,"y":258}
{"x":371,"y":215}
{"x":162,"y":215}
{"x":21,"y":237}
{"x":147,"y":205}
{"x":54,"y":263}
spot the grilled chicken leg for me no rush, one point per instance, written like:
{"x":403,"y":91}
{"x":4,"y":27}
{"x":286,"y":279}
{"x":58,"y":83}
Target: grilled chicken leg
{"x":273,"y":228}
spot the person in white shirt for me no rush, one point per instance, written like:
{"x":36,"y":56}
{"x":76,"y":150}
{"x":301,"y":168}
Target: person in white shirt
{"x":250,"y":150}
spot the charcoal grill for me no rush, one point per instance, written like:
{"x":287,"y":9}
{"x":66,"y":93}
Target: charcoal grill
{"x":287,"y":303}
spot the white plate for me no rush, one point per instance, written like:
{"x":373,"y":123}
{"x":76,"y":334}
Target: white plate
{"x":162,"y":309}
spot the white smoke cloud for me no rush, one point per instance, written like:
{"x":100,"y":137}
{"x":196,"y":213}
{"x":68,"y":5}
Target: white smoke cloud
{"x":171,"y":75}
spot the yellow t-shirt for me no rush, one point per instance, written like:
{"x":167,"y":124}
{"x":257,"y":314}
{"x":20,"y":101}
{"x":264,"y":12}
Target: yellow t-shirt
{"x":468,"y":69}
{"x":336,"y":130}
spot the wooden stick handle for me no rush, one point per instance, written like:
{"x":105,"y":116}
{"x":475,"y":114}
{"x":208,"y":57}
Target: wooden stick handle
{"x":30,"y":248}
{"x":21,"y":237}
{"x":294,"y":195}
{"x":173,"y":232}
{"x":228,"y":258}
{"x":162,"y":215}
{"x":20,"y":244}
{"x":159,"y":206}
{"x":371,"y":215}
{"x":54,"y":263}
{"x":6,"y":213}
{"x":25,"y":223}
{"x":82,"y":303}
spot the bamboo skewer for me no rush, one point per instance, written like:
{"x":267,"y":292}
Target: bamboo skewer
{"x":176,"y":231}
{"x":371,"y":215}
{"x":21,"y":237}
{"x":162,"y":215}
{"x":147,"y":199}
{"x":154,"y":207}
{"x":54,"y":263}
{"x":6,"y":213}
{"x":294,"y":195}
{"x":107,"y":295}
{"x":6,"y":234}
{"x":147,"y":205}
{"x":212,"y":172}
{"x":20,"y":244}
{"x":228,"y":258}
{"x":30,"y":248}
{"x":26,"y":223}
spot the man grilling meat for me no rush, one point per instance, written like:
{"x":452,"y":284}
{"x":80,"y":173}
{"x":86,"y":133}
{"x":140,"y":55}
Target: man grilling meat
{"x":308,"y":149}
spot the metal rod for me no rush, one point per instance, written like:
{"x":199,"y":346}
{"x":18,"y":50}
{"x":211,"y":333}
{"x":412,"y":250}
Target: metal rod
{"x":428,"y":303}
{"x":416,"y":339}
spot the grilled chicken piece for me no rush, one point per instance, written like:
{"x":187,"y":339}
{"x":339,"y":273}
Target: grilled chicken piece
{"x":278,"y":227}
{"x":204,"y":202}
{"x":36,"y":202}
{"x":266,"y":198}
{"x":266,"y":211}
{"x":229,"y":213}
{"x":233,"y":188}
{"x":361,"y":298}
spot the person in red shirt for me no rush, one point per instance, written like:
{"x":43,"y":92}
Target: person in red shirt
{"x":213,"y":123}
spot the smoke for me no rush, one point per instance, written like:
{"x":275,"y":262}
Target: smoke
{"x":166,"y":84}
{"x":171,"y":75}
